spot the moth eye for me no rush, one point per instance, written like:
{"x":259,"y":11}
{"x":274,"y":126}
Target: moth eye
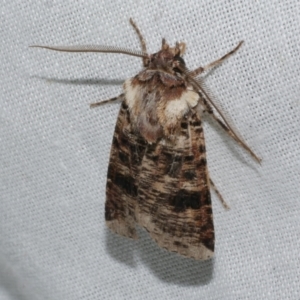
{"x":179,"y":59}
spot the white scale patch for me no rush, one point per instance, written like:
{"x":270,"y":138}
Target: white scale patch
{"x":177,"y":108}
{"x":130,"y":93}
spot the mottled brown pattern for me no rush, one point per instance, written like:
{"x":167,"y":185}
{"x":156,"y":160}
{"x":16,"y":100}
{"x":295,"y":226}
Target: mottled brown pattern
{"x":126,"y":156}
{"x":163,"y":187}
{"x":179,"y":191}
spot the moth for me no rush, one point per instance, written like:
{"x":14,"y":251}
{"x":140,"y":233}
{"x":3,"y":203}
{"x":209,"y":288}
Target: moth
{"x":157,"y":175}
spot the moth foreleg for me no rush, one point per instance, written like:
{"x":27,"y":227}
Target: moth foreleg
{"x":235,"y":137}
{"x":218,"y":194}
{"x":92,"y":105}
{"x":230,"y":132}
{"x":200,"y":70}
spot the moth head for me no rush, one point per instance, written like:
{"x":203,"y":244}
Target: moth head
{"x":168,"y":58}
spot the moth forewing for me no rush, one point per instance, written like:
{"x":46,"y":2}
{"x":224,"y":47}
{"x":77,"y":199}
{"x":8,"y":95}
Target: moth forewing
{"x":157,"y":175}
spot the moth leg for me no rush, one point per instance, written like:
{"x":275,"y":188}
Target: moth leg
{"x":231,"y":133}
{"x":218,"y":194}
{"x":92,"y":105}
{"x":200,"y":70}
{"x":142,"y":41}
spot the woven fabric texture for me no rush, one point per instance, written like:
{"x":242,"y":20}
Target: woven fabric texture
{"x":55,"y":150}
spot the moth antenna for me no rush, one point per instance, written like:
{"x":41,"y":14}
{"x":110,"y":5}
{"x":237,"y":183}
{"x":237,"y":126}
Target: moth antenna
{"x":94,"y":48}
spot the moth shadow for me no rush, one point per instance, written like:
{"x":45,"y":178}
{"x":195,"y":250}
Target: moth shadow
{"x":12,"y":284}
{"x":82,"y":81}
{"x":167,"y":266}
{"x":120,"y":248}
{"x":172,"y":267}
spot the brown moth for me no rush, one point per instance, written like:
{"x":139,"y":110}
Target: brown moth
{"x":157,"y":175}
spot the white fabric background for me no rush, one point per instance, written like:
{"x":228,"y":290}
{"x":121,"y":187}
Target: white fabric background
{"x":55,"y":150}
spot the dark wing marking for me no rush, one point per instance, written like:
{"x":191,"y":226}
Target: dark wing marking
{"x":173,"y":193}
{"x":126,"y":155}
